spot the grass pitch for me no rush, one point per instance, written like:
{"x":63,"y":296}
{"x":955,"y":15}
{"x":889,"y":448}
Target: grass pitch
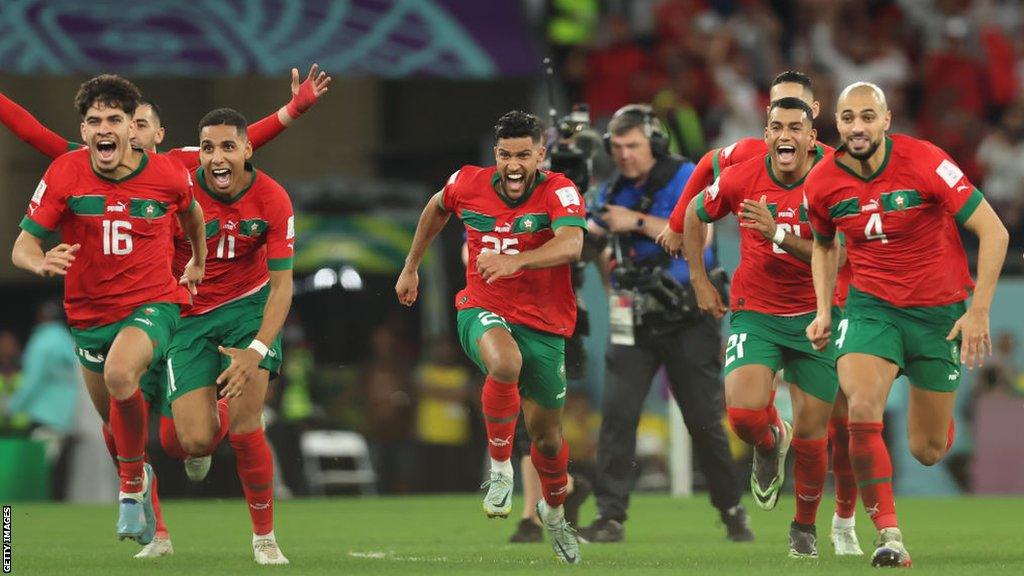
{"x":450,"y":535}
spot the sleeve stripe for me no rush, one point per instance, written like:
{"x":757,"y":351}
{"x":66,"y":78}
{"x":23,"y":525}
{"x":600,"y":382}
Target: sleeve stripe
{"x":714,"y":163}
{"x":577,"y":221}
{"x":702,"y":213}
{"x":969,"y":206}
{"x":34,"y":228}
{"x":278,"y":264}
{"x":823,"y":238}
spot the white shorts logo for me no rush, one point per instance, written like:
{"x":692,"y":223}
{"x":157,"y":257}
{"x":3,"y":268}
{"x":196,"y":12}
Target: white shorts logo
{"x":949,"y":173}
{"x":568,"y":196}
{"x":37,"y":197}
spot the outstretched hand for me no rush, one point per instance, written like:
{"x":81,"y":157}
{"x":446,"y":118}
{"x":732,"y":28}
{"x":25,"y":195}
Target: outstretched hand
{"x":306,"y":94}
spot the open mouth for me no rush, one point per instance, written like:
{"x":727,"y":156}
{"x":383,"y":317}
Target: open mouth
{"x":106,"y":150}
{"x":786,"y":153}
{"x":858,"y":142}
{"x":515,"y":181}
{"x":221,"y":177}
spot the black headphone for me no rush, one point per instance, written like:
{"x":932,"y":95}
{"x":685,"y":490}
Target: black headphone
{"x":649,"y":124}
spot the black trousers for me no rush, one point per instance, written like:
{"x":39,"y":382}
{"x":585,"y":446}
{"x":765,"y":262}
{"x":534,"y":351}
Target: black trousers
{"x":691,"y":356}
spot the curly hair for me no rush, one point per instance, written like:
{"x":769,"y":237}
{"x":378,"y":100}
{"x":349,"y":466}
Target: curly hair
{"x":518,"y":124}
{"x":109,"y":90}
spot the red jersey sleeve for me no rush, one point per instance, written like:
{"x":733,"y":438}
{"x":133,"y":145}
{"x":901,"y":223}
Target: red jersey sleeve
{"x":946,"y":183}
{"x":565,"y":205}
{"x":450,"y":193}
{"x":25,"y":126}
{"x":264,"y":130}
{"x":187,"y":156}
{"x":187,"y":192}
{"x":703,"y":175}
{"x":281,"y":233}
{"x":816,"y":198}
{"x":716,"y":201}
{"x":48,"y":204}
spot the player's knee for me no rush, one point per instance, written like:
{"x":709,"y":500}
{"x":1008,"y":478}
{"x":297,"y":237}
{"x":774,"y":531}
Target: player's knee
{"x":120,"y":380}
{"x":865,"y":409}
{"x":549,"y":443}
{"x":927,"y":452}
{"x":506,"y":367}
{"x":196,"y":442}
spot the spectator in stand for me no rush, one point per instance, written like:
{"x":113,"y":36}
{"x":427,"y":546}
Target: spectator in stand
{"x":387,"y":390}
{"x":443,"y":422}
{"x":616,"y":71}
{"x":1001,"y":156}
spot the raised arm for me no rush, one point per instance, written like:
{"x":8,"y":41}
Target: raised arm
{"x":304,"y":96}
{"x":27,"y":127}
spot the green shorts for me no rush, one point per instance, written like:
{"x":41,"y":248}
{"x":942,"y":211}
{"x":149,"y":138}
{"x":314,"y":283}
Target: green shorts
{"x":780,"y":342}
{"x":542,"y":377}
{"x":158,"y":320}
{"x":913,"y":338}
{"x":193,"y":361}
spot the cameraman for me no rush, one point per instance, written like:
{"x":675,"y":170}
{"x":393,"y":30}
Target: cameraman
{"x":654,"y":323}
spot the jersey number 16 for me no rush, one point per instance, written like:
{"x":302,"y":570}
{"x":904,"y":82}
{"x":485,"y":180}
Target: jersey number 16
{"x":117,"y":238}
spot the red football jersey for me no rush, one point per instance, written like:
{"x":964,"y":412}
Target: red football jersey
{"x":541,"y":298}
{"x":246,"y":237}
{"x":188,"y":156}
{"x":709,"y":168}
{"x":899,"y":223}
{"x":768,"y":279}
{"x":124,"y":228}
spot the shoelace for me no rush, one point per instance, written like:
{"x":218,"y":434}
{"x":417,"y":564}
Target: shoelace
{"x":268,"y":547}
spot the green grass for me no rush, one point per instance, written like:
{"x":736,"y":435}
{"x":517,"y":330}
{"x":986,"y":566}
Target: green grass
{"x":449,"y":535}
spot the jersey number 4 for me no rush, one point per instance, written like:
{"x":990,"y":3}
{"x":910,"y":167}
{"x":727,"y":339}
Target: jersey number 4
{"x":873,"y":231}
{"x":117,"y":238}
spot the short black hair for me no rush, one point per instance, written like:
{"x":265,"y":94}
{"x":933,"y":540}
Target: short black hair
{"x":111,"y":91}
{"x":518,"y":124}
{"x":153,"y":106}
{"x":791,"y":103}
{"x":225,"y":117}
{"x":792,"y":76}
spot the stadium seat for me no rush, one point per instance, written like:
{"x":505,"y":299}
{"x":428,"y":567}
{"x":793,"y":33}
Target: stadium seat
{"x":337,"y":459}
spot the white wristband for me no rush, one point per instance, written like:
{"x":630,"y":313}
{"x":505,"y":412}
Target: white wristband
{"x":780,"y":235}
{"x":259,"y":347}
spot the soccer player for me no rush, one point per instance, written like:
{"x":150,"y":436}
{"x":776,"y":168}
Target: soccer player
{"x":149,"y":130}
{"x":773,"y":302}
{"x":791,"y":84}
{"x":895,"y":198}
{"x":524,"y":227}
{"x":114,"y":205}
{"x":148,"y":133}
{"x":231,"y":334}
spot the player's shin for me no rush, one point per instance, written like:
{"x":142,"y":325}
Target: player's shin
{"x":845,"y":483}
{"x":256,"y":471}
{"x":128,"y":427}
{"x":553,"y":472}
{"x":872,"y":467}
{"x":809,"y":470}
{"x":501,"y":408}
{"x":753,"y":426}
{"x":169,"y":439}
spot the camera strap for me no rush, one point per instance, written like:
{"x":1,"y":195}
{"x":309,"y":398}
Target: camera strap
{"x":662,"y":173}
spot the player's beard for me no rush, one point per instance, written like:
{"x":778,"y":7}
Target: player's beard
{"x":862,"y":156}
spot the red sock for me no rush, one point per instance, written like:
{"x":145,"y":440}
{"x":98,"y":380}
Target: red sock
{"x":222,"y":415}
{"x":501,"y":408}
{"x":161,"y":528}
{"x":256,"y":471}
{"x":752,"y":426}
{"x":108,"y":439}
{"x":873,"y":468}
{"x":553,"y":473}
{"x":846,"y":484}
{"x":169,"y":439}
{"x":950,"y":434}
{"x":809,"y":470}
{"x":128,"y":426}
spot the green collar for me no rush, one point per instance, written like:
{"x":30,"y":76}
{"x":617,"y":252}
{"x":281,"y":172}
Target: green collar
{"x":496,"y":179}
{"x":134,"y":173}
{"x":818,"y":155}
{"x":881,"y":167}
{"x":202,"y":183}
